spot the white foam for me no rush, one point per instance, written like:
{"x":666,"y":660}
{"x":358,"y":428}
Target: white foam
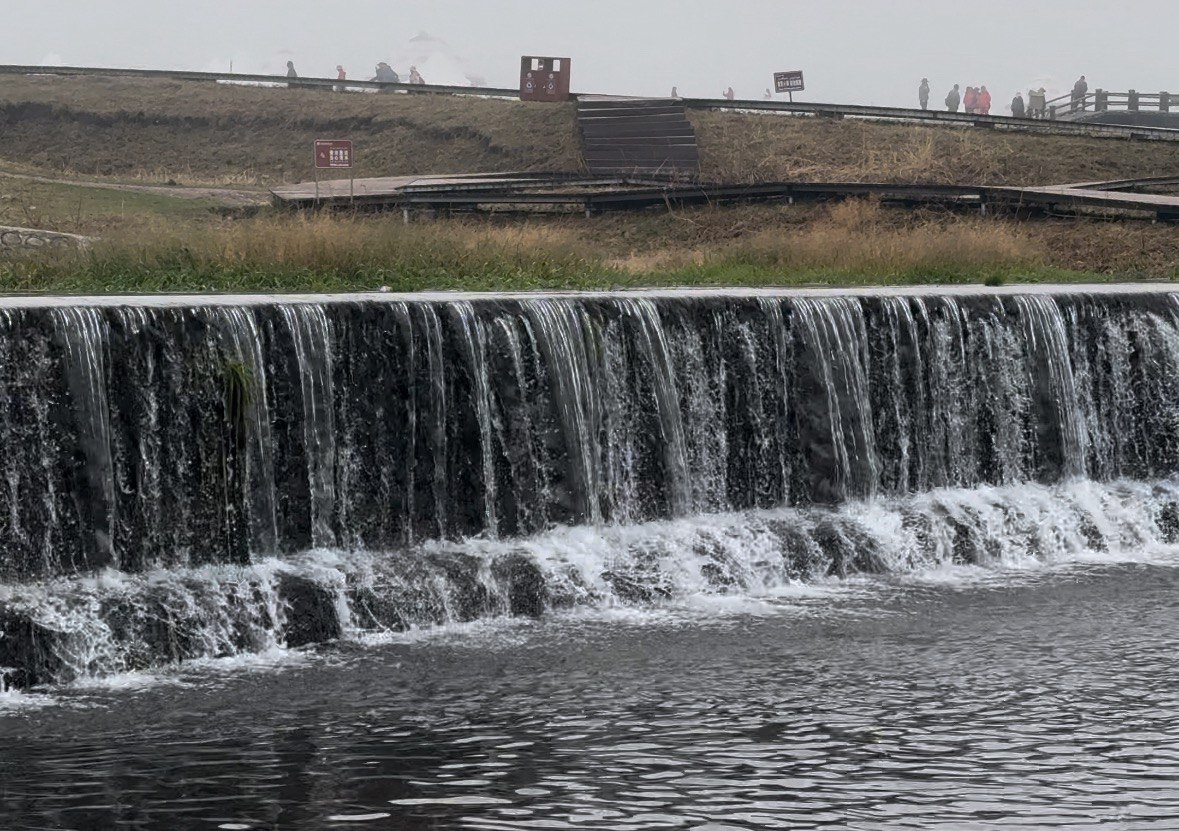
{"x":15,"y":702}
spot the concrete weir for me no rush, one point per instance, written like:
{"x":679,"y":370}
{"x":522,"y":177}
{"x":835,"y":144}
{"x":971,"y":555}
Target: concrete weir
{"x":193,"y":476}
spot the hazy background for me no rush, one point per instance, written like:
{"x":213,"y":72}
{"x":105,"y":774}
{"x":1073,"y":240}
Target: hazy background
{"x":856,"y":51}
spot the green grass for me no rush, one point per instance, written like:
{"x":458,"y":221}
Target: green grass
{"x":86,"y":210}
{"x":184,"y":274}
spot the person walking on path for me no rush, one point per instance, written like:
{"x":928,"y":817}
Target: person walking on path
{"x":1018,"y":110}
{"x":341,"y":75}
{"x":923,"y":93}
{"x":953,"y":99}
{"x":984,"y":102}
{"x":1080,"y":90}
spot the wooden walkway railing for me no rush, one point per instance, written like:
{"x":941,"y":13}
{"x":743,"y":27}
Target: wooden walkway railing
{"x":1100,"y":101}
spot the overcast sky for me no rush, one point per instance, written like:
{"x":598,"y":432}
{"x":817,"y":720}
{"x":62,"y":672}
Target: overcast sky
{"x":856,"y":51}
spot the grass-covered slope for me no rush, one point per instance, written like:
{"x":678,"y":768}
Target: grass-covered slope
{"x":215,"y":133}
{"x":102,"y":157}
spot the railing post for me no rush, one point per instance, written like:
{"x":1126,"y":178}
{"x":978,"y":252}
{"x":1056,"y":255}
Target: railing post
{"x":1101,"y":103}
{"x":1052,"y":112}
{"x":1164,"y":102}
{"x":1132,"y":101}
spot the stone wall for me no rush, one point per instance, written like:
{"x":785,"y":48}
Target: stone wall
{"x":11,"y":237}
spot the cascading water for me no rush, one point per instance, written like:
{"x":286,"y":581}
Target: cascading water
{"x":190,"y":480}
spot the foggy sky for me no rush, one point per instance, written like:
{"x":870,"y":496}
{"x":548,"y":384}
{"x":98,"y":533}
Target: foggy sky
{"x":854,"y":51}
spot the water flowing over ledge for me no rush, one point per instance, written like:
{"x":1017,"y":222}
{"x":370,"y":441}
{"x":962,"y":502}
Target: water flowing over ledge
{"x":181,"y":435}
{"x":67,"y":629}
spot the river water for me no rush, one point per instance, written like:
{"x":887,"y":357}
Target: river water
{"x":958,"y":698}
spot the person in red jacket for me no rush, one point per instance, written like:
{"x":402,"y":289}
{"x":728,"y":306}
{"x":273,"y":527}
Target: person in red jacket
{"x":970,"y":100}
{"x":984,"y":101}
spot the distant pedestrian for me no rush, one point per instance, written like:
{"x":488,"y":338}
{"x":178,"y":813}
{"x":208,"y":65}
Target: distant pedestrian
{"x":729,"y":94}
{"x":415,"y":77}
{"x":769,"y":96}
{"x":341,"y":75}
{"x":675,"y":92}
{"x":1080,"y":90}
{"x":953,"y":99}
{"x":386,"y":75}
{"x":1037,"y":103}
{"x":923,"y":93}
{"x":970,"y":100}
{"x":291,"y":73}
{"x":1018,"y":110}
{"x":984,"y":101}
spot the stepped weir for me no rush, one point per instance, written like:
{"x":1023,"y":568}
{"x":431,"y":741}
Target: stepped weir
{"x":197,"y":477}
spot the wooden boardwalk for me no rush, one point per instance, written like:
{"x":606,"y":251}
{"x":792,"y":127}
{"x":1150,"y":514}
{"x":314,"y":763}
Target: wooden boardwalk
{"x":528,"y":192}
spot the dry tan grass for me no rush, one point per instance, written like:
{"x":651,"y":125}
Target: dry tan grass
{"x":340,"y":244}
{"x":856,"y":236}
{"x":737,"y":147}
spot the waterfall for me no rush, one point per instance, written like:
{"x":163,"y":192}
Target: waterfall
{"x":311,"y":333}
{"x":242,"y":340}
{"x":83,"y":334}
{"x":377,"y":423}
{"x":834,"y":340}
{"x":381,"y":429}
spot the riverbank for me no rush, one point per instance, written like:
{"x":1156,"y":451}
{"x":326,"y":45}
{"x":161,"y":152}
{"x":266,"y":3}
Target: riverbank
{"x":851,"y":243}
{"x":174,"y":210}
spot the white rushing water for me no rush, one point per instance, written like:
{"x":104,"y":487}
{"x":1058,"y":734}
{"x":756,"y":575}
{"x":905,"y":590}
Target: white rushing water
{"x":117,"y":622}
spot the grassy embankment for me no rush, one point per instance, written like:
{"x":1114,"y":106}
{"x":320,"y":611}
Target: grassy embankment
{"x":236,"y":141}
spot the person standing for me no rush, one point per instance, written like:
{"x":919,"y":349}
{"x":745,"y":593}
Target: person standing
{"x":1080,"y":90}
{"x":970,"y":100}
{"x":729,"y":94}
{"x":1018,"y":110}
{"x":984,"y":101}
{"x":953,"y":99}
{"x":1037,"y":103}
{"x":923,"y":93}
{"x":386,"y":75}
{"x":341,"y":75}
{"x":291,"y":73}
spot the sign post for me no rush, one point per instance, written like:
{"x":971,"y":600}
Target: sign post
{"x":790,"y":82}
{"x":544,"y":79}
{"x":333,"y":154}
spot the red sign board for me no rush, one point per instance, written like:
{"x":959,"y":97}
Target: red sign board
{"x":788,"y":82}
{"x":333,"y":153}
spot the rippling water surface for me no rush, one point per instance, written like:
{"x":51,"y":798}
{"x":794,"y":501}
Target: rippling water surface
{"x":1037,"y":701}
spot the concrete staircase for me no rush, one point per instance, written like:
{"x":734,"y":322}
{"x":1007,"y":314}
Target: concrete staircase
{"x":638,"y":137}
